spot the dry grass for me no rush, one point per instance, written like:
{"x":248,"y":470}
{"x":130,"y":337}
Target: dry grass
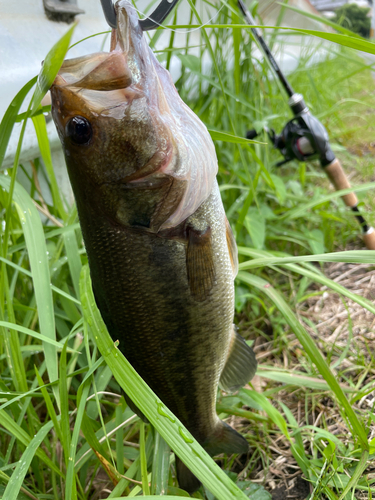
{"x":345,"y":333}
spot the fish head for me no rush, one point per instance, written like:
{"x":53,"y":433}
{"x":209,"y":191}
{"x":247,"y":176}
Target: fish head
{"x":126,"y":133}
{"x":102,"y":112}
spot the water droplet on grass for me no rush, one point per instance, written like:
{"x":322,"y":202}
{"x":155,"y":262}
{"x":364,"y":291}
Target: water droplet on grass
{"x":163,"y":413}
{"x":184,"y":436}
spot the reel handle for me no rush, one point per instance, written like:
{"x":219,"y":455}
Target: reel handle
{"x":337,"y":176}
{"x":369,"y":239}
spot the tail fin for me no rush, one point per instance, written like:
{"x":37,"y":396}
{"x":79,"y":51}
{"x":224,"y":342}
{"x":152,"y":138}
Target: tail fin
{"x":223,"y":440}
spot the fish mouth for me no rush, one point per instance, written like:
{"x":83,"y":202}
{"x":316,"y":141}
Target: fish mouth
{"x":106,"y":71}
{"x":102,"y":72}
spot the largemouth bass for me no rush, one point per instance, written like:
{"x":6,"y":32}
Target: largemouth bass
{"x":161,"y":252}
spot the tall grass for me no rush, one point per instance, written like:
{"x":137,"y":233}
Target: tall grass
{"x":66,"y":431}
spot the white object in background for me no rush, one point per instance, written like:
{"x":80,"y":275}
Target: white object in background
{"x":26,"y":36}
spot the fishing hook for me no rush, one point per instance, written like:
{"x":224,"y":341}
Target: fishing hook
{"x":151,"y":22}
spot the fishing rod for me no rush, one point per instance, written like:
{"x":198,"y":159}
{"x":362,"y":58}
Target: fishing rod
{"x":304,"y":138}
{"x":153,"y":21}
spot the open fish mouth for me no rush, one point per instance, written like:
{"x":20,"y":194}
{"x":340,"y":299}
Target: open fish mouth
{"x":105,"y":71}
{"x":102,"y":71}
{"x":102,"y":77}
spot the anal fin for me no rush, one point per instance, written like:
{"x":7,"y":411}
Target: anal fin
{"x":135,"y":409}
{"x":240,"y":366}
{"x":200,"y":263}
{"x":186,"y":479}
{"x":225,"y":439}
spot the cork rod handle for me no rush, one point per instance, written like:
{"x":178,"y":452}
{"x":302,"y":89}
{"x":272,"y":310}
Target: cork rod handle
{"x":369,"y":239}
{"x":338,"y":178}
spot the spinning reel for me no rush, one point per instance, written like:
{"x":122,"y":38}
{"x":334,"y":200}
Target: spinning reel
{"x":303,"y":138}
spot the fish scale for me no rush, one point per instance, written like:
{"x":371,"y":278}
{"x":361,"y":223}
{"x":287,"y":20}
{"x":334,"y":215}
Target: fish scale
{"x":161,"y":253}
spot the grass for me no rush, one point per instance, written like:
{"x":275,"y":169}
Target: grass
{"x":66,"y":431}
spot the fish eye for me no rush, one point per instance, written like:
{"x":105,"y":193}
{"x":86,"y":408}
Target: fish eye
{"x":79,"y":130}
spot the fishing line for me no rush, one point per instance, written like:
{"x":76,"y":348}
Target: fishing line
{"x":177,"y":30}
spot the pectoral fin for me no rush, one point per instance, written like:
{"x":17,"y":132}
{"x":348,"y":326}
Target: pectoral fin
{"x":232,"y":248}
{"x":200,"y":263}
{"x":240,"y":366}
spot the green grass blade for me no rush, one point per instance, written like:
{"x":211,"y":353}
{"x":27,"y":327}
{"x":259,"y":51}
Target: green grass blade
{"x":271,"y":411}
{"x":119,"y":442}
{"x":74,"y":259}
{"x":277,"y":419}
{"x":64,"y":404}
{"x":352,"y":42}
{"x":32,"y":392}
{"x":237,"y":54}
{"x":49,"y":405}
{"x":191,"y":453}
{"x":40,"y":111}
{"x":160,"y":466}
{"x":70,"y":489}
{"x":216,"y":135}
{"x":53,"y":287}
{"x":301,"y":210}
{"x":51,"y":66}
{"x":312,"y":351}
{"x":27,"y":331}
{"x":13,"y":488}
{"x":357,"y":475}
{"x":10,"y":117}
{"x":152,"y":497}
{"x":89,"y":433}
{"x":332,"y":285}
{"x":298,"y":379}
{"x":15,"y":430}
{"x":350,"y":256}
{"x":37,"y":250}
{"x":142,"y":446}
{"x":123,"y":484}
{"x":45,"y":150}
{"x":314,"y":274}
